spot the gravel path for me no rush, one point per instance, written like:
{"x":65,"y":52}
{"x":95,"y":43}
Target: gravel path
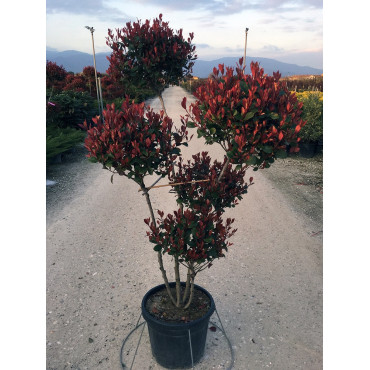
{"x":268,"y":289}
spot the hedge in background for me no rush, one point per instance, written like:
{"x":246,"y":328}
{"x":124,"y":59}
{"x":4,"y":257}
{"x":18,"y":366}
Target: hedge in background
{"x":312,"y":101}
{"x":60,"y":140}
{"x":70,"y":109}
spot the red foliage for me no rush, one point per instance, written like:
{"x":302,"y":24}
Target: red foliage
{"x":110,"y":89}
{"x":193,"y":236}
{"x":55,"y":76}
{"x":134,"y":140}
{"x":89,"y":72}
{"x":219,"y":193}
{"x":76,"y":83}
{"x":254,"y":117}
{"x":149,"y":55}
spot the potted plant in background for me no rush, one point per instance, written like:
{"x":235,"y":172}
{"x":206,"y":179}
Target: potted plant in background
{"x":252,"y":117}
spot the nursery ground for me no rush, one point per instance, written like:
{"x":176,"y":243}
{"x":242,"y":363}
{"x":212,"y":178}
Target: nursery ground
{"x":268,"y":289}
{"x":299,"y":179}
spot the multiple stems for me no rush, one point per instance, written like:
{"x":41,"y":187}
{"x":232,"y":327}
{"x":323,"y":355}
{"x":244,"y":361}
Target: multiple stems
{"x":187,"y":297}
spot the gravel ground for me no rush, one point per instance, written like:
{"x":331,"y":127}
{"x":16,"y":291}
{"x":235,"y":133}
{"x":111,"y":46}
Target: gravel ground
{"x":268,"y":289}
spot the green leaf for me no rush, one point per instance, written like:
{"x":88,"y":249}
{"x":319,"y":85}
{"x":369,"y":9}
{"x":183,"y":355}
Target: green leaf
{"x":274,"y":115}
{"x":229,"y":154}
{"x":248,"y":116}
{"x":244,"y":86}
{"x":251,"y":161}
{"x":267,"y":149}
{"x":93,"y":159}
{"x":190,"y":124}
{"x":281,"y":154}
{"x":212,"y":130}
{"x":157,"y":248}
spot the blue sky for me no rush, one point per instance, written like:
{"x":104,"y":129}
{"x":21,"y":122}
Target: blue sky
{"x":289,"y":31}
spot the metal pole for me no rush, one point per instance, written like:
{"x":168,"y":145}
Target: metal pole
{"x":101,"y":97}
{"x":245,"y":48}
{"x":91,"y":29}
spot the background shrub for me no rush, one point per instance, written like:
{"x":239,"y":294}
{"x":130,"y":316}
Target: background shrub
{"x":60,"y":140}
{"x":312,"y":113}
{"x":70,"y":109}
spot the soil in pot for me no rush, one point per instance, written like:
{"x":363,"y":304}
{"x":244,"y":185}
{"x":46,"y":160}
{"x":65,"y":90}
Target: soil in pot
{"x":161,"y":307}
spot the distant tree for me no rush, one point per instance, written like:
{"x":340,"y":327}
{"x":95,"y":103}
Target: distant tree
{"x":55,"y":76}
{"x":110,"y":89}
{"x":76,"y":83}
{"x":89,"y":74}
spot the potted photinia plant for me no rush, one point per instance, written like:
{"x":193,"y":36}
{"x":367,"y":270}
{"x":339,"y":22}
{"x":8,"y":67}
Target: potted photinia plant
{"x":251,"y":116}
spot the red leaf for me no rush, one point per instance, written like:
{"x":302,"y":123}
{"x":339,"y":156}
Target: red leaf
{"x":183,"y":103}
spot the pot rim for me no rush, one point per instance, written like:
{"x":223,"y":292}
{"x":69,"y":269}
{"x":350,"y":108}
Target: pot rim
{"x":148,"y":317}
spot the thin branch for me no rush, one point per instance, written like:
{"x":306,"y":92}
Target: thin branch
{"x":151,"y":186}
{"x":191,"y":290}
{"x":223,"y":169}
{"x":160,"y":259}
{"x":178,"y":283}
{"x":172,"y":184}
{"x":187,"y":286}
{"x":162,"y":102}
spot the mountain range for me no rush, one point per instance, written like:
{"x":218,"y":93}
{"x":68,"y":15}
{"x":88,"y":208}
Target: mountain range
{"x":75,"y":61}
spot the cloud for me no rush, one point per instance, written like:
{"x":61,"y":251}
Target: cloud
{"x":225,"y":7}
{"x":271,"y":49}
{"x":95,"y":8}
{"x":202,"y":46}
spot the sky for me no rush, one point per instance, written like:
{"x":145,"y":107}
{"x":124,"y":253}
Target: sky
{"x":288,"y":31}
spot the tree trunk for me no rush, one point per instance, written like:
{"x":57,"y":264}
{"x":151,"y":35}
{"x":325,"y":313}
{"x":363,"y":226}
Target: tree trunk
{"x":192,"y":277}
{"x":223,"y":169}
{"x":160,"y":259}
{"x":178,"y":282}
{"x":187,"y":286}
{"x":162,"y":102}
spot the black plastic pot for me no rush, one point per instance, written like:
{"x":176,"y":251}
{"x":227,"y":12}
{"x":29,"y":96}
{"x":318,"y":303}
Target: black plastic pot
{"x":170,"y":341}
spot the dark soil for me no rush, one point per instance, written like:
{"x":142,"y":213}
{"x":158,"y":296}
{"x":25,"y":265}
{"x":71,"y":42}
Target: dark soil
{"x":160,"y":306}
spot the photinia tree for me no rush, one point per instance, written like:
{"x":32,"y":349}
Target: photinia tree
{"x":75,"y":83}
{"x":55,"y":75}
{"x":110,"y":89}
{"x":150,"y":55}
{"x":89,"y":75}
{"x":253,"y":117}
